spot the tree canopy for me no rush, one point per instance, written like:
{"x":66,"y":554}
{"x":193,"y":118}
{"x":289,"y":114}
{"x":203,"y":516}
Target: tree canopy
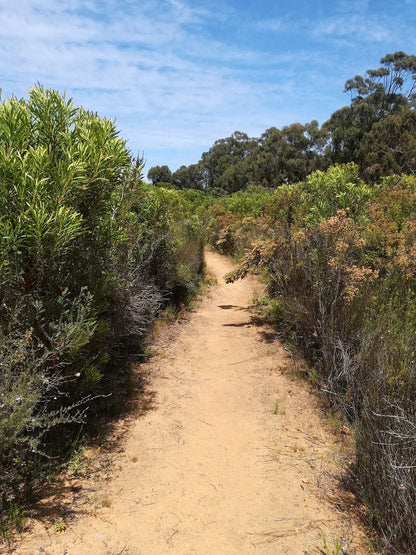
{"x":376,"y":131}
{"x":379,"y":94}
{"x":159,"y":174}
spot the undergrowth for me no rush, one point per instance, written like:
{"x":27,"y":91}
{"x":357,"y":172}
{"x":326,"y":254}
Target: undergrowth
{"x":90,"y":256}
{"x":337,"y":256}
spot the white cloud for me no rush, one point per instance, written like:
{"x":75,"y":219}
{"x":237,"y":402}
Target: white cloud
{"x":179,"y":74}
{"x":353,"y":26}
{"x":149,"y":65}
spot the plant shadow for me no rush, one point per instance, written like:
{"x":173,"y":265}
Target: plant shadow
{"x":73,"y":490}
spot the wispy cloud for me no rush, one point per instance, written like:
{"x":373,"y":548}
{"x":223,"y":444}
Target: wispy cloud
{"x":153,"y":67}
{"x":353,"y":26}
{"x":179,"y":74}
{"x":272,"y":24}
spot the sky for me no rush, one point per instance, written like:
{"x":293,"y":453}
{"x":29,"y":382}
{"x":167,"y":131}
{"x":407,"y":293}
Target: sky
{"x":176,"y":75}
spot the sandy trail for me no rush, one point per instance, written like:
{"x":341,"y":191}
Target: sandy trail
{"x":233,"y":457}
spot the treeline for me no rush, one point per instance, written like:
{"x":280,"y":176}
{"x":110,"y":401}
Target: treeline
{"x":376,"y":131}
{"x":89,"y":255}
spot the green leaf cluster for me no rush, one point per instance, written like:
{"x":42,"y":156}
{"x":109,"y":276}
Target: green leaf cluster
{"x":88,"y":255}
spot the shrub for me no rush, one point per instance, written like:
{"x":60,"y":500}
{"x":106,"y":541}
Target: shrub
{"x":88,"y":253}
{"x":338,"y":256}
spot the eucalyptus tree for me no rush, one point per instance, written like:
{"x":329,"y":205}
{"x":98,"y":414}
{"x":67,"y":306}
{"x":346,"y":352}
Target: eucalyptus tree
{"x":381,"y":92}
{"x":287,"y":155}
{"x":390,"y":146}
{"x":159,"y":174}
{"x":223,"y":164}
{"x":189,"y":177}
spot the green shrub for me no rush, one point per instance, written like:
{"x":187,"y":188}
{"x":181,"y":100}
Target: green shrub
{"x":88,"y":254}
{"x":339,"y":258}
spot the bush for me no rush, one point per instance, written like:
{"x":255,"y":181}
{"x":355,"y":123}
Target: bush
{"x":88,"y":254}
{"x":338,"y":257}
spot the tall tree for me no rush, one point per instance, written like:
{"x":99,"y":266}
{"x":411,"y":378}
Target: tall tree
{"x":224,"y":155}
{"x":159,"y":174}
{"x":390,"y":146}
{"x":379,"y":93}
{"x":287,"y":155}
{"x":188,"y":177}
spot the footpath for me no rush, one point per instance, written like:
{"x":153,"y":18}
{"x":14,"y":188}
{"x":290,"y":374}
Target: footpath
{"x":226,"y":453}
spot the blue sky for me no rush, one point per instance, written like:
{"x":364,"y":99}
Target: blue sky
{"x":179,"y":74}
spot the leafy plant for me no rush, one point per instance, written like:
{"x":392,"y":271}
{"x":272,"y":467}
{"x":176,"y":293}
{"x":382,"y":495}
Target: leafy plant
{"x":59,"y":526}
{"x":88,"y":255}
{"x":336,"y":550}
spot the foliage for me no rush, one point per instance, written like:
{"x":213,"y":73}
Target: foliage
{"x":338,"y":188}
{"x":237,"y":162}
{"x":389,"y":147}
{"x":382,"y":93}
{"x":235,"y":216}
{"x":159,"y":174}
{"x":287,"y":155}
{"x":338,"y":258}
{"x":88,"y":254}
{"x":376,"y":131}
{"x":188,"y":177}
{"x":226,"y":159}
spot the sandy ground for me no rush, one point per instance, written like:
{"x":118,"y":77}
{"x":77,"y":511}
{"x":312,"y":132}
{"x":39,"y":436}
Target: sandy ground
{"x":231,"y":456}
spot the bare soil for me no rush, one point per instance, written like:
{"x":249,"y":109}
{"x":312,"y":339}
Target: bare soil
{"x":230,"y":453}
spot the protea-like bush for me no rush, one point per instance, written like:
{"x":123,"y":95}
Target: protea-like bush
{"x":88,"y":253}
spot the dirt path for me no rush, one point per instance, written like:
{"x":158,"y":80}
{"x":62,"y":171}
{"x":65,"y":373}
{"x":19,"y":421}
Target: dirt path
{"x":233,"y":457}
